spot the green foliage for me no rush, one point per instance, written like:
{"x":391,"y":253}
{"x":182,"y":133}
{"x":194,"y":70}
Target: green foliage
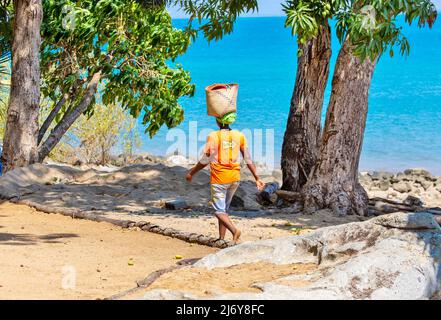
{"x":215,"y":18}
{"x":130,"y":137}
{"x":305,"y":17}
{"x":92,"y":139}
{"x":129,"y":43}
{"x":100,"y":133}
{"x":370,"y":25}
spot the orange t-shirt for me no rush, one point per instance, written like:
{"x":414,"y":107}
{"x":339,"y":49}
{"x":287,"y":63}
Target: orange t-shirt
{"x":223,"y":148}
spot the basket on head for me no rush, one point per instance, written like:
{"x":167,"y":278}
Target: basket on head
{"x":221,"y":99}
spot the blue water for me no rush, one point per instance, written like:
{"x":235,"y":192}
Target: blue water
{"x":404,"y":121}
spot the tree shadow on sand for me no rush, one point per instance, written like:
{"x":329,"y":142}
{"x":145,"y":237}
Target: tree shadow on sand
{"x":20,"y":239}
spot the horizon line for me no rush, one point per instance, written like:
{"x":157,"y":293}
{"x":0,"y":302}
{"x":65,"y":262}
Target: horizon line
{"x":259,"y":16}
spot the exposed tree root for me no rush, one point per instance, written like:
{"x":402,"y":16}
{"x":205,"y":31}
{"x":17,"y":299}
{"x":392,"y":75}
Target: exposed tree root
{"x":143,"y":225}
{"x":152,"y":277}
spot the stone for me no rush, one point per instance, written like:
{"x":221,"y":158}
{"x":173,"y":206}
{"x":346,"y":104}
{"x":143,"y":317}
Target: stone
{"x":277,"y":174}
{"x":438,"y":185}
{"x":413,"y":201}
{"x":417,"y":172}
{"x":141,"y":224}
{"x":381,"y":175}
{"x":426,"y":184}
{"x":384,"y":185}
{"x":402,"y":187}
{"x":237,"y":202}
{"x":178,"y":160}
{"x":177,"y":204}
{"x":365,"y":179}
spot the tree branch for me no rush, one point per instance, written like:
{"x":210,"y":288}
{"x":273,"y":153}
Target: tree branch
{"x":51,"y":117}
{"x":69,"y":118}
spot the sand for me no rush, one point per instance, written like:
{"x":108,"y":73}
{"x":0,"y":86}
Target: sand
{"x":238,"y":278}
{"x":50,"y":256}
{"x":254,"y":225}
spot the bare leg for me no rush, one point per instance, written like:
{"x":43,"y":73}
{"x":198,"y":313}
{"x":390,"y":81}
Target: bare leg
{"x":222,"y":229}
{"x":225,"y":220}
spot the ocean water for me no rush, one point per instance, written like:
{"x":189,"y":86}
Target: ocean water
{"x":404,"y":120}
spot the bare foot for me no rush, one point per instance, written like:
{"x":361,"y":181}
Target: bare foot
{"x":236,"y":235}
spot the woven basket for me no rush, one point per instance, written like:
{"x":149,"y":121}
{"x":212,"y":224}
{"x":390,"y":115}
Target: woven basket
{"x":221,"y":99}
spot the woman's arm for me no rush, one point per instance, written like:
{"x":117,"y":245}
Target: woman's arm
{"x":247,"y":158}
{"x":198,"y":167}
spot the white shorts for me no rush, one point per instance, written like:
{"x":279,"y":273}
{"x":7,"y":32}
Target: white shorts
{"x":221,"y":196}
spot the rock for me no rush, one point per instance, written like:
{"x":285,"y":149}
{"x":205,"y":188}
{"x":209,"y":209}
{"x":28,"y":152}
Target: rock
{"x":237,"y":202}
{"x":277,"y":174}
{"x":178,"y":160}
{"x":417,"y":172}
{"x":365,"y":179}
{"x":402,"y":187}
{"x":426,"y":184}
{"x":178,"y":204}
{"x":245,"y":196}
{"x":160,"y":294}
{"x":438,"y":185}
{"x":395,"y":256}
{"x":381,"y":175}
{"x":384,"y":185}
{"x":413,"y":201}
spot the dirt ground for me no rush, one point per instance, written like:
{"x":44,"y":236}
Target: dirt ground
{"x":255,"y":225}
{"x":238,"y":278}
{"x":50,"y":256}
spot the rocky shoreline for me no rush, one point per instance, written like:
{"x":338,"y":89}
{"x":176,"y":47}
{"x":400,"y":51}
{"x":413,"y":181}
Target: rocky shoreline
{"x":417,"y":183}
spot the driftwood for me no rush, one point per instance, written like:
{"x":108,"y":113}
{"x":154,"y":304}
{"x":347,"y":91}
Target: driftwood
{"x":289,"y":196}
{"x":143,"y":225}
{"x":380,"y":206}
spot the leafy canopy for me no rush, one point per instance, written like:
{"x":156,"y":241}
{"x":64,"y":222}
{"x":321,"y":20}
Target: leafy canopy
{"x":129,"y":43}
{"x":370,"y":25}
{"x":215,"y":18}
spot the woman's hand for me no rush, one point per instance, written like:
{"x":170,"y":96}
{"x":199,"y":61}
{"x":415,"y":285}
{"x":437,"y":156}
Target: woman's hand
{"x":260,"y":184}
{"x":189,"y":177}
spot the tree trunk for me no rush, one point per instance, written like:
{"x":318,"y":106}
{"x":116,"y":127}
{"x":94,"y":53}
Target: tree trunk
{"x":51,"y":117}
{"x":302,"y":136}
{"x":69,"y":118}
{"x":20,"y":142}
{"x":334,"y":181}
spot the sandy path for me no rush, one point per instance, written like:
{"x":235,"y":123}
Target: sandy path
{"x":41,"y":254}
{"x":238,"y":278}
{"x":254,"y":225}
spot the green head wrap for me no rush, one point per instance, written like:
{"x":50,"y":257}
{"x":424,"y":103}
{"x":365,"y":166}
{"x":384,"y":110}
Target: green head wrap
{"x":228,"y":118}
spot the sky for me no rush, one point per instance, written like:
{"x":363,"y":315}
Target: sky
{"x":267,"y":8}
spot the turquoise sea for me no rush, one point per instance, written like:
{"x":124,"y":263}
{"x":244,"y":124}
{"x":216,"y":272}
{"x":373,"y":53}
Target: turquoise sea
{"x":404,"y":121}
